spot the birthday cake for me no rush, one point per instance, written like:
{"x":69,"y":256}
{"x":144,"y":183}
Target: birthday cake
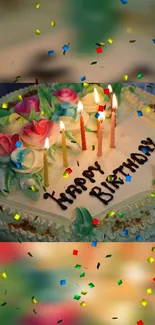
{"x":77,"y":165}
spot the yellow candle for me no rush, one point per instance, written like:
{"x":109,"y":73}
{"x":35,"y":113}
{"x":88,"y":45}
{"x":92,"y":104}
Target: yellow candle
{"x":46,"y":176}
{"x":97,"y":99}
{"x":64,"y":148}
{"x":100,"y":133}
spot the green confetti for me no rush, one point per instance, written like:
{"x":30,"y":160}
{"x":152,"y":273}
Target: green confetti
{"x":77,"y":297}
{"x":119,"y":282}
{"x":34,"y":311}
{"x":153,"y":249}
{"x":94,"y":62}
{"x":3,"y":304}
{"x":107,"y":256}
{"x":120,"y":214}
{"x":140,"y":76}
{"x":91,"y":285}
{"x":30,"y":254}
{"x":82,"y":275}
{"x":93,"y":147}
{"x":77,"y":266}
{"x":59,"y":321}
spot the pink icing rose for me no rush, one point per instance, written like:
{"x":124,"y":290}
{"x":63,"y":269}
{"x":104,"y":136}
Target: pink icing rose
{"x":7,"y":144}
{"x":24,"y":107}
{"x":34,"y":134}
{"x":66,"y":95}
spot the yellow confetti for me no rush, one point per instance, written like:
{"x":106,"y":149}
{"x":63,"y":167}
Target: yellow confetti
{"x":109,"y":178}
{"x":42,"y":113}
{"x":65,"y":175}
{"x":110,"y":40}
{"x":33,"y":188}
{"x":38,"y":32}
{"x":148,"y":109}
{"x":17,"y":216}
{"x":149,"y":291}
{"x":19,"y":97}
{"x":129,"y":30}
{"x":37,"y":5}
{"x":102,"y":44}
{"x":83,"y":304}
{"x":111,"y":213}
{"x":143,"y":302}
{"x":153,"y":249}
{"x":83,"y":292}
{"x":125,"y":77}
{"x":53,"y":23}
{"x":34,"y":301}
{"x":5,"y":105}
{"x":85,"y":84}
{"x":4,"y":276}
{"x":150,"y":259}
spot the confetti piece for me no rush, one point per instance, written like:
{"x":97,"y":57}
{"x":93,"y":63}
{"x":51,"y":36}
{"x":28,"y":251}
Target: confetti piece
{"x":129,"y":30}
{"x":153,"y":40}
{"x":94,"y":243}
{"x":119,"y":282}
{"x":109,"y":255}
{"x":109,"y":178}
{"x":3,"y":304}
{"x":34,"y":311}
{"x":124,"y":2}
{"x":77,"y":266}
{"x":62,"y":282}
{"x":138,"y":238}
{"x":144,"y":150}
{"x":144,"y":303}
{"x":18,"y":165}
{"x":17,"y":216}
{"x":106,"y":91}
{"x":139,"y":113}
{"x":149,"y":291}
{"x":132,"y":41}
{"x":101,"y":108}
{"x":65,"y":48}
{"x":18,"y":144}
{"x":53,"y":23}
{"x":36,"y":218}
{"x":153,"y":194}
{"x":77,"y":297}
{"x":111,"y":214}
{"x":94,"y":62}
{"x":75,"y":252}
{"x":4,"y":105}
{"x":101,"y":44}
{"x":4,"y":276}
{"x":37,"y":5}
{"x":95,"y":222}
{"x":65,"y":174}
{"x":140,"y":322}
{"x":150,"y":260}
{"x":93,"y":147}
{"x":99,"y":50}
{"x":17,"y":78}
{"x":59,"y":321}
{"x":97,"y":115}
{"x":153,"y":249}
{"x":110,"y":40}
{"x":36,"y":82}
{"x":82,"y":274}
{"x":140,"y":76}
{"x":128,"y":178}
{"x":51,"y":53}
{"x":98,"y":266}
{"x":33,"y":188}
{"x":69,"y":170}
{"x":78,"y":163}
{"x":114,"y":317}
{"x":125,"y":232}
{"x":154,"y":279}
{"x":84,"y":292}
{"x":120,"y":214}
{"x":5,"y":292}
{"x":30,"y":254}
{"x":37,"y":32}
{"x":34,"y":301}
{"x":85,"y":84}
{"x":125,"y":77}
{"x":20,"y":97}
{"x":148,"y":109}
{"x":91,"y":285}
{"x":83,"y":78}
{"x":83,"y":304}
{"x":42,"y":113}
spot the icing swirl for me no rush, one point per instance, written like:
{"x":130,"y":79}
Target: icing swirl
{"x":26,"y":160}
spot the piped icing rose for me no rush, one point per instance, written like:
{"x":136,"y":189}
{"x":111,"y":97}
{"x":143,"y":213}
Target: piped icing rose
{"x":34,"y":134}
{"x":24,"y":107}
{"x":26,"y":160}
{"x":66,"y":95}
{"x":7,"y":145}
{"x":12,"y":123}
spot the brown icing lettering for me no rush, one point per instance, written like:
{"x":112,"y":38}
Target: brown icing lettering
{"x":139,"y":158}
{"x":97,"y":192}
{"x":89,"y":172}
{"x":130,"y":165}
{"x":108,"y":187}
{"x":80,"y":182}
{"x":62,"y":198}
{"x":115,"y":181}
{"x":72,"y":189}
{"x":120,"y":170}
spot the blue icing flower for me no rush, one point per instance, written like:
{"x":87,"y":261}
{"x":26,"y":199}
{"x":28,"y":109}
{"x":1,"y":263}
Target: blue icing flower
{"x":65,"y":109}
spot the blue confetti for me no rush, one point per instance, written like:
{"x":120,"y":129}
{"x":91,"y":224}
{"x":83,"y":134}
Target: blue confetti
{"x":65,"y":48}
{"x":128,"y":178}
{"x":18,"y":144}
{"x":83,"y":78}
{"x":125,"y":232}
{"x":51,"y":53}
{"x":18,"y":165}
{"x":62,"y":282}
{"x":124,"y":2}
{"x":144,"y":150}
{"x":97,"y":115}
{"x":94,"y":243}
{"x":138,"y":238}
{"x":139,"y":113}
{"x":153,"y":40}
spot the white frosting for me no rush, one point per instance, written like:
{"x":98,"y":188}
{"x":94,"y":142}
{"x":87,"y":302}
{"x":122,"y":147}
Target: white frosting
{"x":32,"y":161}
{"x":16,"y":122}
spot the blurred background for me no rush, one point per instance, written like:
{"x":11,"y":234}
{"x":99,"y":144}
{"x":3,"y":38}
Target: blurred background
{"x":82,"y":24}
{"x":35,"y":269}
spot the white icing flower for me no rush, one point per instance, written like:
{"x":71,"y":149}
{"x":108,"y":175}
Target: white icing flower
{"x":12,"y":124}
{"x":26,"y":160}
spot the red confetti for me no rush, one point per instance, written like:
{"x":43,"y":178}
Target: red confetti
{"x":106,"y":91}
{"x":99,"y":50}
{"x":36,"y":82}
{"x":75,"y":252}
{"x":140,"y":322}
{"x":101,"y":108}
{"x":95,"y":222}
{"x":154,"y":279}
{"x":69,"y":170}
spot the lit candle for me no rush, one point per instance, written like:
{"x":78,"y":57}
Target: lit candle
{"x":46,"y":179}
{"x":113,"y":123}
{"x":111,"y":96}
{"x":64,"y":148}
{"x":100,"y":133}
{"x":82,"y":128}
{"x":97,"y":99}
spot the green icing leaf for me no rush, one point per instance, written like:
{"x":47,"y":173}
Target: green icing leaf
{"x":132,"y":89}
{"x":4,"y":112}
{"x":34,"y":116}
{"x":77,"y":87}
{"x":83,"y":225}
{"x":51,"y":152}
{"x":26,"y":182}
{"x":5,"y":179}
{"x":56,"y":105}
{"x":45,"y":99}
{"x":4,"y":120}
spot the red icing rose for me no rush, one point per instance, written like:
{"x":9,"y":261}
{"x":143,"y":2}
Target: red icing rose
{"x":8,"y":251}
{"x":7,"y":144}
{"x":66,"y":95}
{"x":24,"y":107}
{"x":35,"y":133}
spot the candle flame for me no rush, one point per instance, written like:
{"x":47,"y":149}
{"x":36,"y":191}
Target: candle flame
{"x":80,"y":107}
{"x":110,"y":88}
{"x":102,"y":116}
{"x":46,"y":145}
{"x":114,"y":101}
{"x":62,"y":126}
{"x":96,"y":96}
